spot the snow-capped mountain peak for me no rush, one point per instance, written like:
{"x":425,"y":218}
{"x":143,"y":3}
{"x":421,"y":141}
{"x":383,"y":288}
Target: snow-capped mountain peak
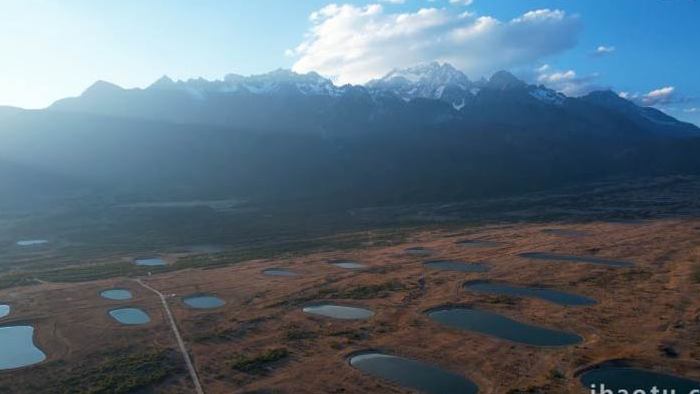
{"x":277,"y":81}
{"x":434,"y":73}
{"x":431,"y":81}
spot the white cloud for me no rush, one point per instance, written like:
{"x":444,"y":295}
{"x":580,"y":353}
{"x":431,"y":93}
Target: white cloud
{"x":461,"y":2}
{"x":565,"y":81}
{"x":657,"y":97}
{"x":603,"y":50}
{"x":393,"y":1}
{"x":660,"y":94}
{"x":353,"y":44}
{"x":692,"y":110}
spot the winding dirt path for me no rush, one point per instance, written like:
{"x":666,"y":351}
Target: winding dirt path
{"x":181,"y":344}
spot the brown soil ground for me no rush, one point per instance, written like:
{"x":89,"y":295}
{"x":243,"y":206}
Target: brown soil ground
{"x":641,"y":311}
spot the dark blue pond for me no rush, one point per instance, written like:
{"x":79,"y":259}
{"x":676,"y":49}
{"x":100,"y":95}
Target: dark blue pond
{"x":279,"y":272}
{"x":150,"y":262}
{"x":460,"y":266}
{"x":412,"y":374}
{"x":203,"y":301}
{"x":130,"y":316}
{"x":499,"y":326}
{"x":17,"y":347}
{"x":551,"y":295}
{"x":630,"y":379}
{"x":339,"y":311}
{"x":116,"y":294}
{"x":32,"y":242}
{"x":475,"y":243}
{"x":347,"y":264}
{"x":418,"y":251}
{"x":575,"y":259}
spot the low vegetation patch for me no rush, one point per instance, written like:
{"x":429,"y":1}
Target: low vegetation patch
{"x":240,"y":331}
{"x":299,"y":334}
{"x":352,"y":335}
{"x":364,"y":292}
{"x":696,"y":273}
{"x":119,"y":373}
{"x":92,"y":272}
{"x":370,"y":291}
{"x":259,"y":363}
{"x":16,"y":279}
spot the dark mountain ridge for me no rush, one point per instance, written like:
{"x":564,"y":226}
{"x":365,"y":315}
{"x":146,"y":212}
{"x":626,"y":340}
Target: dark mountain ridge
{"x":418,"y":135}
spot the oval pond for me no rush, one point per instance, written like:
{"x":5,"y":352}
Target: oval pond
{"x":347,"y":264}
{"x":279,"y":272}
{"x":116,"y":294}
{"x":449,"y":265}
{"x":130,"y":316}
{"x":412,"y":374}
{"x":618,"y":379}
{"x":18,"y":348}
{"x":4,"y":310}
{"x":499,"y":326}
{"x":203,"y":301}
{"x":150,"y":262}
{"x":339,"y":311}
{"x":551,"y":295}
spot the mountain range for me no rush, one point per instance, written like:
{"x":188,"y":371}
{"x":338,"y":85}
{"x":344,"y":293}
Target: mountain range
{"x":426,"y":133}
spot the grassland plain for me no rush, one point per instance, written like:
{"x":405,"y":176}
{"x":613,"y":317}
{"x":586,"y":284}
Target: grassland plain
{"x":643,"y":311}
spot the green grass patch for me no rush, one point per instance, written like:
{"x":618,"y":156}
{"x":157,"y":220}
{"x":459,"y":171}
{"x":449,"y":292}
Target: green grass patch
{"x":696,"y":273}
{"x":118,"y":373}
{"x":370,"y":291}
{"x":94,"y":272}
{"x":258,"y":363}
{"x":16,"y":279}
{"x":364,"y":292}
{"x":299,"y":334}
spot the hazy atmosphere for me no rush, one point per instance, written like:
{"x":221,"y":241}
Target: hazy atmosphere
{"x":644,"y":51}
{"x":397,"y":196}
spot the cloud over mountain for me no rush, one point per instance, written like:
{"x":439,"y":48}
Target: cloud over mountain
{"x":565,"y":81}
{"x":353,"y":44}
{"x":660,"y":96}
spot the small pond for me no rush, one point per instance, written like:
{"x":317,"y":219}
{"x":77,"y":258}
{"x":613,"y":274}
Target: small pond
{"x":412,"y":374}
{"x":203,"y":301}
{"x":618,"y":379}
{"x":130,"y":316}
{"x":575,"y":259}
{"x":551,"y":295}
{"x":339,"y":311}
{"x":494,"y":324}
{"x":279,"y":272}
{"x":4,"y":310}
{"x":347,"y":264}
{"x":18,"y":348}
{"x":418,"y":251}
{"x":32,"y":242}
{"x":150,"y":262}
{"x":460,"y":266}
{"x":116,"y":294}
{"x":475,"y":243}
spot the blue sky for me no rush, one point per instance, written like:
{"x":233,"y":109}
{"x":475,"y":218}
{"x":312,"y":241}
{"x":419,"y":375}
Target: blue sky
{"x":53,"y":49}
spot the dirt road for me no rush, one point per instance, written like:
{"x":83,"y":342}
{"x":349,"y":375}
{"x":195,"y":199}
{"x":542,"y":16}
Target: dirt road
{"x":180,"y":343}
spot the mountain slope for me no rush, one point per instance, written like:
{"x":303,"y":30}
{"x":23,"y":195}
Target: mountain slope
{"x":288,"y":137}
